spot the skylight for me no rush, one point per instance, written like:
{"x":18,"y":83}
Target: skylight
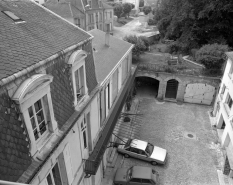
{"x":13,"y":16}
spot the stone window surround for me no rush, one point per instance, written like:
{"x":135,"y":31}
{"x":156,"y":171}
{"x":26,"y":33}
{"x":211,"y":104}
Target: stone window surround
{"x":30,"y":91}
{"x":77,"y":60}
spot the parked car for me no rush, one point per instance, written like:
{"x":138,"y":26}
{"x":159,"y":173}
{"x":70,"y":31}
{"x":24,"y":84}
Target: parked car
{"x":136,"y":175}
{"x":142,"y":150}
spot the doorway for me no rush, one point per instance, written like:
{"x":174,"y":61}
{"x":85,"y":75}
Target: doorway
{"x":171,"y":90}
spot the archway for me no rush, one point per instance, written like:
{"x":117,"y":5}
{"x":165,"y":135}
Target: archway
{"x":171,"y":90}
{"x":147,"y":87}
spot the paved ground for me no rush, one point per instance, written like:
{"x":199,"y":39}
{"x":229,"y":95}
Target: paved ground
{"x":190,"y":160}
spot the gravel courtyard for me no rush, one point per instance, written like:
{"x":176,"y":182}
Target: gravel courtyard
{"x":185,"y":131}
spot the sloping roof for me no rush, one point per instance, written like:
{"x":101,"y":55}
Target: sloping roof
{"x":106,"y":6}
{"x":106,"y":58}
{"x":61,"y":8}
{"x":42,"y":35}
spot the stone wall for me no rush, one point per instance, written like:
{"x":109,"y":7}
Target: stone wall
{"x":183,"y":80}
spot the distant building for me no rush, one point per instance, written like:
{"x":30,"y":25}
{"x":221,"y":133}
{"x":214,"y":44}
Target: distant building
{"x":85,"y":14}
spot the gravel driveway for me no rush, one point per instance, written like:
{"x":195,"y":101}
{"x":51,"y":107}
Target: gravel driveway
{"x":185,"y":131}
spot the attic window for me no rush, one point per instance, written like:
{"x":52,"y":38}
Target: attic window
{"x":13,"y":16}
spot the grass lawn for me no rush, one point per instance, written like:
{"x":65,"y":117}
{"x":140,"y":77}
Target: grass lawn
{"x":122,"y":20}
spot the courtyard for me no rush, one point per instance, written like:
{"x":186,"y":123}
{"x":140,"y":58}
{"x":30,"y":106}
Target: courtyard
{"x":185,"y":132}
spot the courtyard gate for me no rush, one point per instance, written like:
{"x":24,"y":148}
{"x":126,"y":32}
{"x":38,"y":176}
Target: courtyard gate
{"x":199,"y":93}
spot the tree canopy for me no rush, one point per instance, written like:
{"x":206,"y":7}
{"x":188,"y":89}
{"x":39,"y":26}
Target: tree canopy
{"x":193,"y":23}
{"x":139,"y":44}
{"x":127,"y":8}
{"x":118,"y":9}
{"x":146,"y":10}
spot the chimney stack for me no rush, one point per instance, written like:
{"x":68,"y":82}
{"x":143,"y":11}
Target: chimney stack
{"x":107,"y":34}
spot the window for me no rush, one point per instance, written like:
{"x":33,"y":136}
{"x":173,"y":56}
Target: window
{"x":78,"y":22}
{"x":100,"y":27}
{"x":84,"y":132}
{"x":147,"y":181}
{"x":11,"y":15}
{"x":37,"y":119}
{"x":135,"y":180}
{"x":106,"y":15}
{"x":101,"y":16}
{"x":110,"y":14}
{"x":77,"y":60}
{"x":229,"y":102}
{"x":54,"y":177}
{"x":223,"y":91}
{"x":89,"y":18}
{"x":34,"y":100}
{"x":96,"y":18}
{"x":100,"y":4}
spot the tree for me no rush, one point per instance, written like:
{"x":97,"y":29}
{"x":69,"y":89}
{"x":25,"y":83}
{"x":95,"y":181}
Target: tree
{"x":118,"y":9}
{"x":127,"y":8}
{"x":132,"y":6}
{"x":139,"y":45}
{"x":146,"y":10}
{"x":212,"y":57}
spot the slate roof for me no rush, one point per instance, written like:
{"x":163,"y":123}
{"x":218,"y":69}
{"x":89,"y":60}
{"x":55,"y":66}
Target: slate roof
{"x":106,"y":58}
{"x":41,"y":35}
{"x":65,"y":9}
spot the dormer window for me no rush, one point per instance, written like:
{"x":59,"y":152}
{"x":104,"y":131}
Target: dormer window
{"x":90,"y":4}
{"x":35,"y":103}
{"x":11,"y":15}
{"x":77,"y":60}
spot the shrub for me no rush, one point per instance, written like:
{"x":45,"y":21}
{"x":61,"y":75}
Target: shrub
{"x":151,"y":22}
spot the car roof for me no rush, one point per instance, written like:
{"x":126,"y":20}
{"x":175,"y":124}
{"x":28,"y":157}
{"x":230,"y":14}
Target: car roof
{"x":142,"y":172}
{"x":139,"y":144}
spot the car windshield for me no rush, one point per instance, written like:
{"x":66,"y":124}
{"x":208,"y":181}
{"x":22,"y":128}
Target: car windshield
{"x":129,"y":173}
{"x":149,"y":148}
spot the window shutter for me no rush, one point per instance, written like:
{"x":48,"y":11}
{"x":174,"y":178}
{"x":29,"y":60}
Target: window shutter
{"x":68,"y":163}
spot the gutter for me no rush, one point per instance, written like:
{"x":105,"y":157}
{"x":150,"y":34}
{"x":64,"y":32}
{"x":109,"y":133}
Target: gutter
{"x":41,"y":63}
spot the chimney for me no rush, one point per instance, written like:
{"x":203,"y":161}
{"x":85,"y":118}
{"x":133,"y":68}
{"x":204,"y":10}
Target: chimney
{"x":107,"y":35}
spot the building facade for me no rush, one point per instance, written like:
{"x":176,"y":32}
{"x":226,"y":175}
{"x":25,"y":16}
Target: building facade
{"x":55,"y":105}
{"x":223,"y":113}
{"x":87,"y":15}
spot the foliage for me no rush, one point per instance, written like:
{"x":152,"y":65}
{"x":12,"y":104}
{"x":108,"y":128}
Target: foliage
{"x":141,"y":3}
{"x":118,"y":9}
{"x":212,"y":56}
{"x":193,"y":23}
{"x":151,"y":22}
{"x":146,"y":41}
{"x":127,"y":8}
{"x":139,"y":45}
{"x":132,"y":6}
{"x":146,"y":10}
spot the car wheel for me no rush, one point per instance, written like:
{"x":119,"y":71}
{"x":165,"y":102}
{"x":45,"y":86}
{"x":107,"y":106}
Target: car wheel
{"x":154,"y":163}
{"x":126,"y":156}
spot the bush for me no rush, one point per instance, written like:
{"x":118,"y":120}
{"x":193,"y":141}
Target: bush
{"x":146,"y":10}
{"x":146,"y":41}
{"x":122,"y":22}
{"x":139,"y":45}
{"x":151,"y":22}
{"x":212,"y":56}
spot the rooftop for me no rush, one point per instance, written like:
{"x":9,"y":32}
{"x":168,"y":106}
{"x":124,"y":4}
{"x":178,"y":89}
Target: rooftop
{"x":41,"y":35}
{"x":106,"y":58}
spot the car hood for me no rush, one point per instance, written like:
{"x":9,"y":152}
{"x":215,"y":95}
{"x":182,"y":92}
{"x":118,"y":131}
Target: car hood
{"x":120,"y":175}
{"x":159,"y":154}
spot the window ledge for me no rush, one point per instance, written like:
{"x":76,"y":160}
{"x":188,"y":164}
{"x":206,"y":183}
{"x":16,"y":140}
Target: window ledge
{"x":81,"y":102}
{"x":45,"y":147}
